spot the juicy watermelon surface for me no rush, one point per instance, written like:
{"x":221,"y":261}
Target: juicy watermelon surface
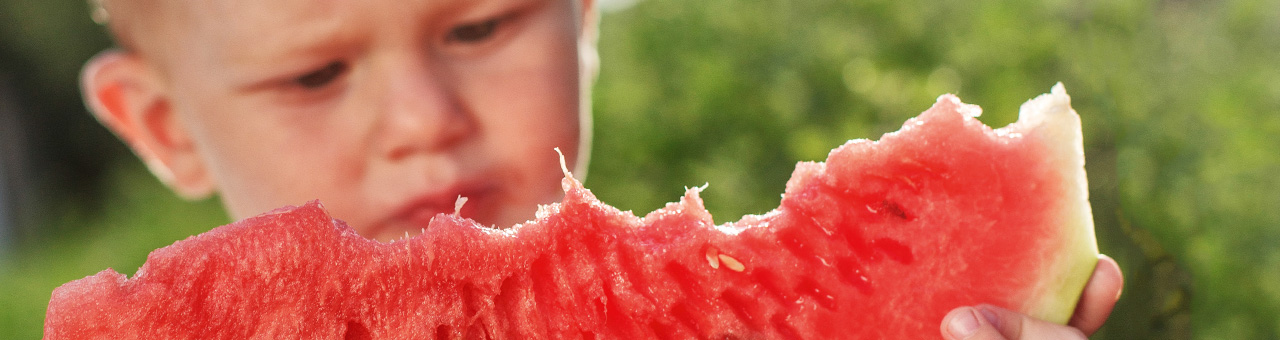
{"x":878,"y":242}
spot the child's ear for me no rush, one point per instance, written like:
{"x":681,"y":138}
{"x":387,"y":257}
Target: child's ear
{"x":129,"y":98}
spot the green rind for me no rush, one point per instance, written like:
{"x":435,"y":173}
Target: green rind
{"x":1051,"y":118}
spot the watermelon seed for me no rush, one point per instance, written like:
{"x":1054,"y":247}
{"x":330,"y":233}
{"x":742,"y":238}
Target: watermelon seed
{"x":731,"y":263}
{"x":712,"y":257}
{"x":890,"y":207}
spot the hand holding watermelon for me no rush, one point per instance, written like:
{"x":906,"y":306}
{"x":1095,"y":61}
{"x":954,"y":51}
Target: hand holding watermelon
{"x":988,"y":322}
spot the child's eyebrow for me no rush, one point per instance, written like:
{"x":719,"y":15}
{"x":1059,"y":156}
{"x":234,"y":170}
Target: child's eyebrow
{"x":319,"y":31}
{"x":315,"y":35}
{"x":307,"y":38}
{"x":248,"y":21}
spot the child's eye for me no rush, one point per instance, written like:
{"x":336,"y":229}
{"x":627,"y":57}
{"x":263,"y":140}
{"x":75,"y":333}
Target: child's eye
{"x":474,"y":32}
{"x":323,"y":76}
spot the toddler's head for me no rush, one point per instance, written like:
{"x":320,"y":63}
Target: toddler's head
{"x":385,"y":110}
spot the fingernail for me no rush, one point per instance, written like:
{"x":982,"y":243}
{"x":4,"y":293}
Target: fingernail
{"x":964,"y":325}
{"x":990,"y":315}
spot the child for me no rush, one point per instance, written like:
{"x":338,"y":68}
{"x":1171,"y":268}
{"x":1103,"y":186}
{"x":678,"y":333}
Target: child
{"x":384,"y":110}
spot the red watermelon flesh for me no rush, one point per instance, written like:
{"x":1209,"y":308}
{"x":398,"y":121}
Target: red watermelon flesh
{"x":879,"y":242}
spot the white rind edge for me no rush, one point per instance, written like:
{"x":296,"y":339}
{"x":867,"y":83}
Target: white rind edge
{"x":1051,"y":114}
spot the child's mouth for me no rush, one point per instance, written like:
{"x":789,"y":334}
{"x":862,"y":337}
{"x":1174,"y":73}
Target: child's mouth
{"x":416,"y":213}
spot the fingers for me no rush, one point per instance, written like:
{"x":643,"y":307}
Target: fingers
{"x":968,"y":323}
{"x":1099,"y":297}
{"x":986,"y":322}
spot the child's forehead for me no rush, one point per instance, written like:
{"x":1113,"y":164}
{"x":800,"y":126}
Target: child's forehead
{"x":320,"y":9}
{"x":285,"y":23}
{"x":235,"y":16}
{"x":242,"y":10}
{"x":242,"y":19}
{"x":249,"y":29}
{"x":254,"y":38}
{"x":253,"y":18}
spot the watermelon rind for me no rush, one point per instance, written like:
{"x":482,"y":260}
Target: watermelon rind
{"x":1051,"y":117}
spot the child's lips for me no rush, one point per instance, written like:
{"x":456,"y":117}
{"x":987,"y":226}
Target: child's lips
{"x":415,"y":214}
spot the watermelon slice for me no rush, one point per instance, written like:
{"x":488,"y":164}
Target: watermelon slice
{"x":879,"y":242}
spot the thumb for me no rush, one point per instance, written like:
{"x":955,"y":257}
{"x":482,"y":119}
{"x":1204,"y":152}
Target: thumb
{"x":986,"y":322}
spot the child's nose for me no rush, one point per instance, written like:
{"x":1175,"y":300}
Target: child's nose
{"x":424,"y":113}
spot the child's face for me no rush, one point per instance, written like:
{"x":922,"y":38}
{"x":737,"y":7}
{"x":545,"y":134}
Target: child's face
{"x":385,"y":110}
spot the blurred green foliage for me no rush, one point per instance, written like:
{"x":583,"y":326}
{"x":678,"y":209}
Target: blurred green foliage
{"x":1180,"y":101}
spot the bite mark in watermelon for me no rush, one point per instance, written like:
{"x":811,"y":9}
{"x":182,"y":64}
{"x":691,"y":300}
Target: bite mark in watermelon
{"x":879,"y":242}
